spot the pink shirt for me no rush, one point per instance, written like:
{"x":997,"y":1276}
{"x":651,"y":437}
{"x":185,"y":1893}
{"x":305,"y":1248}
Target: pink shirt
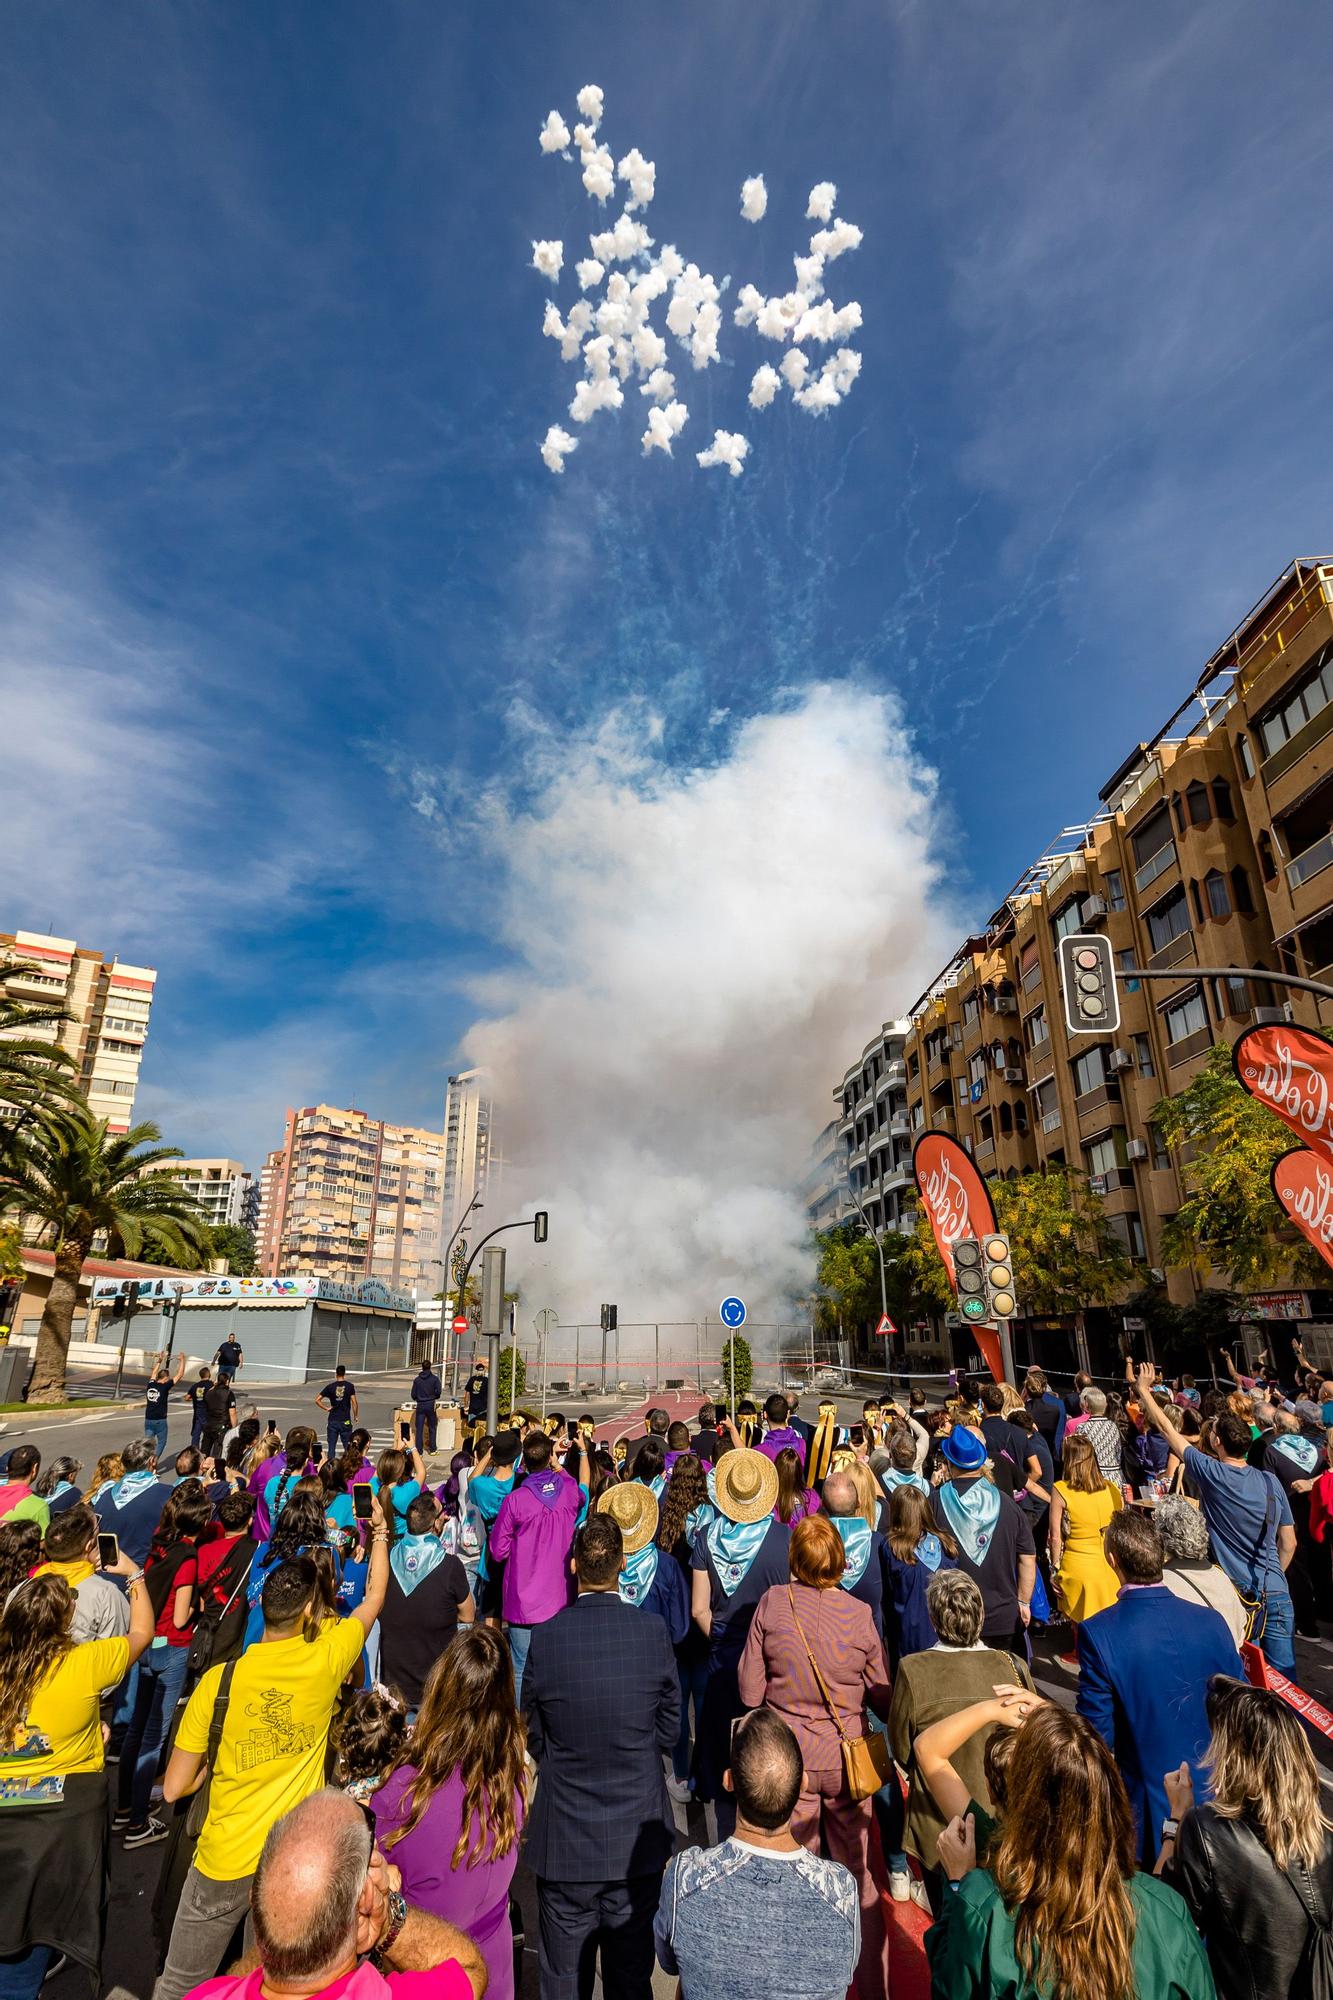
{"x":442,"y":1982}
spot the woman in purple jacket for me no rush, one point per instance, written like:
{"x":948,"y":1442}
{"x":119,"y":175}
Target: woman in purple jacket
{"x":450,"y":1814}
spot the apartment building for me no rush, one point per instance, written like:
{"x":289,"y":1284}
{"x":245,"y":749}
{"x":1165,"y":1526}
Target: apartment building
{"x":348,"y":1196}
{"x":472,"y":1158}
{"x":108,"y":1001}
{"x":226,"y":1191}
{"x":1211,"y":846}
{"x":873,"y":1127}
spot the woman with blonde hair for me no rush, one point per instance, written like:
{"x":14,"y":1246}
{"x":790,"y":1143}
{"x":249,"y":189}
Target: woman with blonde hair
{"x":1081,"y":1506}
{"x":1060,"y":1912}
{"x":869,"y":1492}
{"x":1254,"y":1864}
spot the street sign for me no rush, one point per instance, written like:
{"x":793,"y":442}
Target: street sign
{"x":461,"y":1323}
{"x":731,"y":1312}
{"x":885,"y":1327}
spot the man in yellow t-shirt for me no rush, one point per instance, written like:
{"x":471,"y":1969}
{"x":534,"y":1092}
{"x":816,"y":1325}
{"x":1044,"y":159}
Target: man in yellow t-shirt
{"x":271,"y":1755}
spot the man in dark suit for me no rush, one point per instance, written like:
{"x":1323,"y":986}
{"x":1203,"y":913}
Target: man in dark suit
{"x":602,"y":1700}
{"x":1144,"y":1667}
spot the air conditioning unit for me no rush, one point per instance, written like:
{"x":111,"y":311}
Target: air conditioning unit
{"x":1093,"y":907}
{"x":1012,"y":1075}
{"x":1120,"y":1059}
{"x":1005,"y":1003}
{"x":1287,"y":1014}
{"x":1267,"y":1016}
{"x":1136,"y":1149}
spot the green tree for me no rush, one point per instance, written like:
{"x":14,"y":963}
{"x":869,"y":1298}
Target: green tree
{"x":33,"y":1071}
{"x":1227,"y":1145}
{"x":739,"y":1347}
{"x":1066,"y":1254}
{"x":84,"y":1185}
{"x":507,"y":1391}
{"x":847,"y":1278}
{"x":236,"y":1243}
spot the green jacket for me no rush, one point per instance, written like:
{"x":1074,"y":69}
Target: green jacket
{"x":972,"y":1955}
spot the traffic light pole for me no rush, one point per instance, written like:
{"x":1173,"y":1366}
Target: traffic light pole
{"x":532,"y":1222}
{"x":883,"y":1278}
{"x":131,"y":1308}
{"x":1181,"y":973}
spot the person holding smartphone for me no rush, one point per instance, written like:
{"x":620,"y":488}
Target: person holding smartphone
{"x":73,"y":1548}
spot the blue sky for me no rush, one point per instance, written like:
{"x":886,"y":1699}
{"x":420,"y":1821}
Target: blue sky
{"x":286,"y":592}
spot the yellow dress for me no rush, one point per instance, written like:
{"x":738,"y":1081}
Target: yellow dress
{"x":1087,"y":1581}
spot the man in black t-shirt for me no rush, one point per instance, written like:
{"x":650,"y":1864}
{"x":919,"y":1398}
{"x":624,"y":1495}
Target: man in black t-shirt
{"x":219,"y":1415}
{"x":428,"y":1597}
{"x":474,"y":1389}
{"x":425,"y":1393}
{"x":156,"y":1397}
{"x":338,"y":1397}
{"x":196,"y":1391}
{"x":229,"y":1356}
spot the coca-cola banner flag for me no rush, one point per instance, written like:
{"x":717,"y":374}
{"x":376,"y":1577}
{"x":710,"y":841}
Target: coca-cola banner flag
{"x":958,"y":1203}
{"x":1290,"y":1070}
{"x":1303,"y":1184}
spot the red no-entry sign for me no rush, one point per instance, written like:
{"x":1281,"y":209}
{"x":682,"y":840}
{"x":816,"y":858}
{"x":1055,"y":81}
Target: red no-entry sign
{"x":461,"y":1323}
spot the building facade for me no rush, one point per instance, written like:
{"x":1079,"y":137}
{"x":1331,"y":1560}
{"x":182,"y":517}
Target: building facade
{"x":472,"y":1159}
{"x":347,"y":1196}
{"x":109,"y":1003}
{"x":226,"y":1191}
{"x":1211,"y":846}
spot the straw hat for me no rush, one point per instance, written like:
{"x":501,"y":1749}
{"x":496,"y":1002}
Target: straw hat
{"x":633,"y":1508}
{"x":746,"y":1484}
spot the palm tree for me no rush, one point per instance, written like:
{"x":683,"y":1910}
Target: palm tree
{"x":32,"y":1068}
{"x":82,"y":1185}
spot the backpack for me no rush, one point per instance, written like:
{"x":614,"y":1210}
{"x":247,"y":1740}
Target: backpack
{"x":1314,"y":1974}
{"x":219,"y":1629}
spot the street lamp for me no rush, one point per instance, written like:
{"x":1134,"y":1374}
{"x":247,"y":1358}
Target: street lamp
{"x":543,"y":1322}
{"x":879,"y":1247}
{"x":443,"y":1262}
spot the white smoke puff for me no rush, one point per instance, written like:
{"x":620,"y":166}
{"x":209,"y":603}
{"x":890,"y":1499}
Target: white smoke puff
{"x":624,"y":358}
{"x":809,"y":276}
{"x":548,"y":258}
{"x":556,"y":447}
{"x":764,"y":387}
{"x":649,"y":351}
{"x":641,"y":175}
{"x":597,"y":355}
{"x":584,"y":140}
{"x":552,"y":325}
{"x":754,"y":198}
{"x":589,"y":273}
{"x":553,"y":138}
{"x":612,"y":317}
{"x":795,"y":367}
{"x":605,"y":393}
{"x":651,"y":285}
{"x":824,"y":323}
{"x":818,"y":395}
{"x":703,"y":341}
{"x":664,"y":425}
{"x":820,"y":205}
{"x":589,"y":101}
{"x":749,"y":304}
{"x":842,"y":369}
{"x":728,"y":448}
{"x":599,"y":173}
{"x":636,"y":1085}
{"x":777,"y":317}
{"x":661,"y":385}
{"x":578,"y":325}
{"x":831,"y":243}
{"x":617,"y":245}
{"x":670,"y":263}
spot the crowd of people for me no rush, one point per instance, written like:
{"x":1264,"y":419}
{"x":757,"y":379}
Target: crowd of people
{"x":345,"y":1691}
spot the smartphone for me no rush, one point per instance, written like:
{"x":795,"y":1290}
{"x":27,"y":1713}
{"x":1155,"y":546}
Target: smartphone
{"x":108,"y":1551}
{"x":363,"y":1501}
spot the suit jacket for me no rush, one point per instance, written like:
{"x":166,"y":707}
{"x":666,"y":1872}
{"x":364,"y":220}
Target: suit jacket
{"x":602,"y":1699}
{"x":1144,"y":1665}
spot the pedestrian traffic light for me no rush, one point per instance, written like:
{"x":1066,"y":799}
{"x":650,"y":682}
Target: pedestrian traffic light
{"x":609,"y":1319}
{"x":969,"y":1279}
{"x":539,"y":1226}
{"x":125,"y":1300}
{"x":998,"y":1267}
{"x":1087,"y":981}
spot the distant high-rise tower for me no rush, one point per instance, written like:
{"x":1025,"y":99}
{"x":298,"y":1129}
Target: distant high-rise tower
{"x":472,"y":1157}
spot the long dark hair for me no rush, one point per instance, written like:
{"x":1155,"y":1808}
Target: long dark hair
{"x":910,"y":1519}
{"x":469,"y":1723}
{"x":297,"y":1454}
{"x":184,"y":1518}
{"x":649,"y":1460}
{"x":301,"y":1532}
{"x":687,"y":1488}
{"x":390,"y":1467}
{"x":354,"y":1456}
{"x":791,"y":1503}
{"x":34,"y":1636}
{"x":20,"y":1551}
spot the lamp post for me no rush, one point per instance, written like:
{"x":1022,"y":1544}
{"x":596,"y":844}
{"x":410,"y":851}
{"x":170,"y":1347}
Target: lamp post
{"x":542,"y":1322}
{"x":443,"y":1262}
{"x":879,"y":1248}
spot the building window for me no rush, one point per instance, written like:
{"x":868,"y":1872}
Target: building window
{"x":1114,"y":884}
{"x":1089,"y":1070}
{"x":1036,"y":1028}
{"x":1124,"y":959}
{"x":976,"y":1070}
{"x":1178,"y":808}
{"x":1161,"y":1159}
{"x":1299,"y":706}
{"x":1241,"y":894}
{"x":1197,"y":901}
{"x":1143,"y":1056}
{"x":1196,"y":804}
{"x":1222,"y":805}
{"x":1068,"y":919}
{"x":971,"y":1011}
{"x":1267,"y":865}
{"x":1168,"y":920}
{"x":1243,"y":757}
{"x":1215,"y":887}
{"x":1185,"y":1017}
{"x":1107,"y":1156}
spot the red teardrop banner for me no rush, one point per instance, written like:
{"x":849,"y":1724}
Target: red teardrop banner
{"x":1290,"y":1072}
{"x":958,"y":1203}
{"x":1303,"y":1186}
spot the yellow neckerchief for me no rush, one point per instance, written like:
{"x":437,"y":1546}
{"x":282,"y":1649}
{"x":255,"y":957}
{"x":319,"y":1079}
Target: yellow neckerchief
{"x":746,"y":1427}
{"x":821,"y":1444}
{"x":74,"y":1573}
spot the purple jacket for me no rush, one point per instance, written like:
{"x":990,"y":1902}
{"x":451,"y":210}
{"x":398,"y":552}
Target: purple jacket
{"x":532,"y":1536}
{"x":772,"y":1442}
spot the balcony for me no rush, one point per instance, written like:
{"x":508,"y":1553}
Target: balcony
{"x":1180,"y":951}
{"x":896,"y":1072}
{"x":984,"y":1149}
{"x":1050,"y":1120}
{"x":1156,"y":864}
{"x":900,"y":1127}
{"x":1312,"y":862}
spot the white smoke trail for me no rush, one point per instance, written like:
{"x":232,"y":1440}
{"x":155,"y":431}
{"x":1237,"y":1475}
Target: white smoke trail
{"x":698,"y":954}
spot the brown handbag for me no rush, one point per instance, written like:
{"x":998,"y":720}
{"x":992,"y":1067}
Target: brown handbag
{"x":867,"y":1761}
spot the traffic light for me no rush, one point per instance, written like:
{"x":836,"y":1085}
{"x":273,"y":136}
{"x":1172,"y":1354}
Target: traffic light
{"x":998,"y":1268}
{"x":609,"y":1319}
{"x":539,"y":1226}
{"x":1087,"y":981}
{"x":125,"y":1300}
{"x":969,"y":1279}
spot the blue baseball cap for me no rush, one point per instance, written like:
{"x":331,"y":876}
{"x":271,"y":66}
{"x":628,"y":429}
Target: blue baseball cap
{"x":964,"y":1449}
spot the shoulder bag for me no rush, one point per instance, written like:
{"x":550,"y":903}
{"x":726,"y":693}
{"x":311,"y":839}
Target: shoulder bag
{"x":1314,"y":1974}
{"x":1255,"y":1602}
{"x":208,"y":1626}
{"x":867,"y":1761}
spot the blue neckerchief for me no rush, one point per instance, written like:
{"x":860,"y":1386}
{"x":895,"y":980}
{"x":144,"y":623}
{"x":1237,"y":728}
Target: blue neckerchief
{"x":973,"y":1511}
{"x":657,"y":1486}
{"x":61,"y":1486}
{"x":1302,"y":1453}
{"x":636,"y":1578}
{"x":893,"y":1479}
{"x":413,"y":1557}
{"x":699,"y":1518}
{"x":930,"y":1552}
{"x":131,"y":1486}
{"x":733,"y":1545}
{"x":856,"y":1547}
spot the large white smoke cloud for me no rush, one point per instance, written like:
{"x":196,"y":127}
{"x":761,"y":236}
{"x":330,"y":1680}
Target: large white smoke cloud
{"x":698,"y":955}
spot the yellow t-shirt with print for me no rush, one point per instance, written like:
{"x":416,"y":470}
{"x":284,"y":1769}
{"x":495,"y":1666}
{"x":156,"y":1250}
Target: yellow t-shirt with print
{"x":62,"y":1731}
{"x":273,"y":1739}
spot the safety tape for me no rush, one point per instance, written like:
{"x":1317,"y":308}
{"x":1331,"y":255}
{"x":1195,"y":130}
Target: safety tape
{"x":1259,"y":1673}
